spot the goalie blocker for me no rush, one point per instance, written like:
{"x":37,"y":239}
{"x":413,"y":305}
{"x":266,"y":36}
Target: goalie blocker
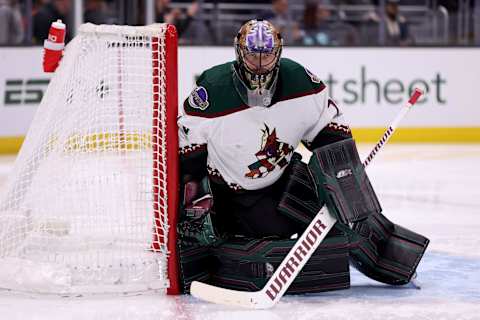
{"x":379,"y":248}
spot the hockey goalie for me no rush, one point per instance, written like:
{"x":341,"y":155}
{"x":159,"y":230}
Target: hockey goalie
{"x":247,"y":195}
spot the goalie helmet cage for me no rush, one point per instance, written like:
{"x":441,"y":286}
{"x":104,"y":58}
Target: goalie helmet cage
{"x":91,"y":204}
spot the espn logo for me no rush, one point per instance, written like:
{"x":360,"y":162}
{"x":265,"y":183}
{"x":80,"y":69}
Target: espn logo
{"x":28,"y":91}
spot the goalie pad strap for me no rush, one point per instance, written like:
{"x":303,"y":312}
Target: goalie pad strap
{"x":342,"y":181}
{"x":247,"y":264}
{"x":386,"y":252}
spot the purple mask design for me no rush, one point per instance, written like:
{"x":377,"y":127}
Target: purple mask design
{"x":260,"y":39}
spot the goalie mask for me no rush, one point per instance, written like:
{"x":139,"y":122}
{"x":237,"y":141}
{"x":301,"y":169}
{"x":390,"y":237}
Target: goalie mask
{"x":258,"y":46}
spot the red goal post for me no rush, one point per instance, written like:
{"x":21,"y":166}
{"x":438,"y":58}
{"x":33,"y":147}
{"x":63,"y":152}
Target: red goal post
{"x":171,"y":75}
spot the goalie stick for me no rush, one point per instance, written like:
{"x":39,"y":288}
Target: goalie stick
{"x":417,"y":93}
{"x":300,"y":253}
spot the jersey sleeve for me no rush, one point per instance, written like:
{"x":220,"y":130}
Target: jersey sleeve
{"x":330,"y":125}
{"x":192,"y":137}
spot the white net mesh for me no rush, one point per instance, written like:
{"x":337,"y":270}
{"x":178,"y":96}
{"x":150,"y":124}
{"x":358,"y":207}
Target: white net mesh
{"x":78,"y":215}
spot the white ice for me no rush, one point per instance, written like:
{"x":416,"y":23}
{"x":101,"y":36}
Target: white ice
{"x":431,"y":189}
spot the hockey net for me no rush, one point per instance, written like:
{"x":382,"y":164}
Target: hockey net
{"x":91,"y":203}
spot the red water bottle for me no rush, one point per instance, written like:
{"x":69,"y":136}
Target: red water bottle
{"x":53,"y":46}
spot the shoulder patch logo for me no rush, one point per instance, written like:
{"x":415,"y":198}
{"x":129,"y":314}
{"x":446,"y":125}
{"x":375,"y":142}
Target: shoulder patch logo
{"x":312,"y":76}
{"x":198,"y":99}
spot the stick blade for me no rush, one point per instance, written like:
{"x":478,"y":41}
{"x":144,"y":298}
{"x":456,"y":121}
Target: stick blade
{"x":251,"y":300}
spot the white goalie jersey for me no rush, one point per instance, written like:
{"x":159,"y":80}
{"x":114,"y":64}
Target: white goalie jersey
{"x":249,"y":147}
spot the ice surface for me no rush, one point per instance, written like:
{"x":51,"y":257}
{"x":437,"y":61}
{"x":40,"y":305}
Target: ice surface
{"x":431,"y":189}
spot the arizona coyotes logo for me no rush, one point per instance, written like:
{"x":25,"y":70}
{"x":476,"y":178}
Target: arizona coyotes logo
{"x":272,"y":153}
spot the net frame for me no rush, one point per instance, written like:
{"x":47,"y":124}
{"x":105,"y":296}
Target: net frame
{"x":164,"y":146}
{"x":171,"y":161}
